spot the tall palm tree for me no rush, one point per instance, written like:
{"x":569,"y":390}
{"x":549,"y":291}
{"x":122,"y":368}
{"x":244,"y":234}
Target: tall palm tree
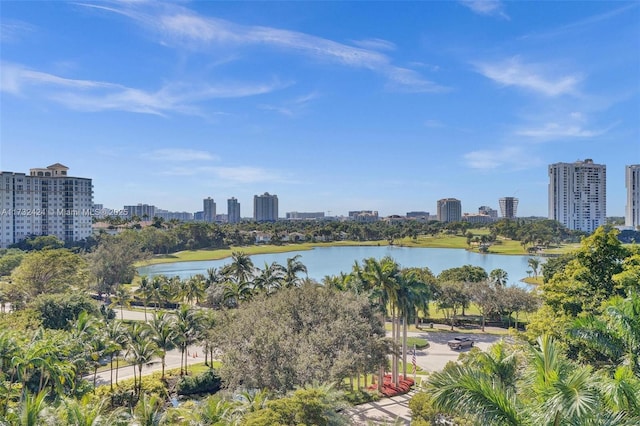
{"x":116,"y":334}
{"x":163,"y":334}
{"x":187,"y":325}
{"x":122,"y":298}
{"x":145,"y":293}
{"x":291,"y":271}
{"x":140,"y":352}
{"x":382,"y":277}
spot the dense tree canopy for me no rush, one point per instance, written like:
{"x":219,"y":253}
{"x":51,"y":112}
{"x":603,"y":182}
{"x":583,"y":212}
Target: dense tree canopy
{"x":301,"y":335}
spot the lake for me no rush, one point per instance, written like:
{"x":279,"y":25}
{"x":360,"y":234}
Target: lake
{"x":323,"y":261}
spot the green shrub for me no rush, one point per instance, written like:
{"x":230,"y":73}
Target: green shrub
{"x":58,"y":310}
{"x":207,"y":382}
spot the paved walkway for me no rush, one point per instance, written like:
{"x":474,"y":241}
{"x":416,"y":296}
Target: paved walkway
{"x":387,"y":411}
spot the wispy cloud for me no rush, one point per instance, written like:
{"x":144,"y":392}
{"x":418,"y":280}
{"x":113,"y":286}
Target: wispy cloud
{"x":88,"y":95}
{"x":556,"y":130}
{"x":581,"y":24}
{"x":292,"y":107}
{"x":538,"y":78}
{"x":486,"y":7}
{"x":179,"y":155}
{"x":375,"y":44}
{"x":508,"y":158}
{"x":179,"y":25}
{"x":12,"y":31}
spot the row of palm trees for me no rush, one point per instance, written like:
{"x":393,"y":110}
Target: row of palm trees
{"x":236,"y":282}
{"x":398,"y":293}
{"x":55,"y":361}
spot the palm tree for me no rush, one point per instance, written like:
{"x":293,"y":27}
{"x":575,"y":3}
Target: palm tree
{"x":493,"y":389}
{"x":615,"y":335}
{"x":193,"y":289}
{"x":382,"y":277}
{"x":187,"y":326}
{"x":163,"y":334}
{"x":139,"y":347}
{"x":149,"y":411}
{"x":412,"y":293}
{"x":270,"y":278}
{"x":499,"y":277}
{"x":140,"y":352}
{"x":116,"y":335}
{"x":291,"y":271}
{"x":241,"y":268}
{"x":145,"y":293}
{"x":534,"y":264}
{"x":122,"y":297}
{"x":235,"y":293}
{"x":30,"y":410}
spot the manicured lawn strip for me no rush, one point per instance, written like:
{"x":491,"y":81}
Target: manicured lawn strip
{"x":418,"y":342}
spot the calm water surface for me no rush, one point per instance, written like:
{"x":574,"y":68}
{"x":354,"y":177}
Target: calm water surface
{"x":323,"y":261}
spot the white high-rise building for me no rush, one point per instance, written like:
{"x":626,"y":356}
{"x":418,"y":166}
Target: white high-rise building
{"x":578,"y":194}
{"x":265,"y":208}
{"x":632,"y":182}
{"x":45,"y":202}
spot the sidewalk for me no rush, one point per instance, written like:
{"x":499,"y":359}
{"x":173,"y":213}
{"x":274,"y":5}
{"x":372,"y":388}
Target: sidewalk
{"x":387,"y":411}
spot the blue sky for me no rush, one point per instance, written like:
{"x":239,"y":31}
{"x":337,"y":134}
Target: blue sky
{"x":333,"y":106}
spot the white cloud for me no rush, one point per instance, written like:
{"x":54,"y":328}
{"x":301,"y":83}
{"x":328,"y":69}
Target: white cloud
{"x":509,"y":158}
{"x":375,"y":44}
{"x":88,"y":95}
{"x":534,"y":77}
{"x":178,"y":25}
{"x":179,"y":154}
{"x":560,"y":130}
{"x":486,"y":7}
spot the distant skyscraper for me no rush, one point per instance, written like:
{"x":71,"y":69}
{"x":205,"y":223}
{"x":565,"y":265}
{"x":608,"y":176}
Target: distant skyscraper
{"x":265,"y":208}
{"x":233,"y":210}
{"x":209,"y":208}
{"x":578,"y":194}
{"x":632,"y":182}
{"x":449,"y":210}
{"x":509,"y":207}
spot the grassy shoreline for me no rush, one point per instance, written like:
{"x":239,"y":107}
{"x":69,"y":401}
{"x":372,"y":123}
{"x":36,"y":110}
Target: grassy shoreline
{"x":503,"y":247}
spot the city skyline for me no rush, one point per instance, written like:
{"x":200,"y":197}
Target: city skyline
{"x":334,"y":106}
